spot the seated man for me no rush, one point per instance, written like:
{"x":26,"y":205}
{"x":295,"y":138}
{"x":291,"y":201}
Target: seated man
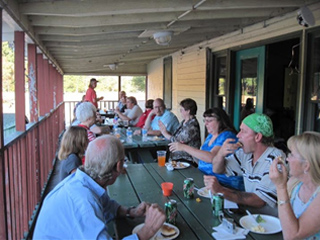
{"x":252,"y":161}
{"x":79,"y":206}
{"x":162,"y":114}
{"x":132,"y":113}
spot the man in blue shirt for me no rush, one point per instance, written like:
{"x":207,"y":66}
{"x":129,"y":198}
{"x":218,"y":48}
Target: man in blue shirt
{"x":162,"y":114}
{"x":79,"y":206}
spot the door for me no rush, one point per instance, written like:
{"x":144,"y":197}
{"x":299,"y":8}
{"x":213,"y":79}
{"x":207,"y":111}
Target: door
{"x":249,"y":83}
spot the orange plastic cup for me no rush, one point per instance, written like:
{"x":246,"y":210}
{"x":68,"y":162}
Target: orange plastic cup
{"x":167,"y":188}
{"x":161,"y":158}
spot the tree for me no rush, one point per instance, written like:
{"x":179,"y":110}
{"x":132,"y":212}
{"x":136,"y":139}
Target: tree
{"x":139,"y":83}
{"x":7,"y":67}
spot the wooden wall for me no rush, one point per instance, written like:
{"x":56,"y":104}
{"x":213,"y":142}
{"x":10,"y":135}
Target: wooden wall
{"x":189,"y":67}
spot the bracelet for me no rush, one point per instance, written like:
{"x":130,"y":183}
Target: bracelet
{"x":282,"y":202}
{"x":128,"y":211}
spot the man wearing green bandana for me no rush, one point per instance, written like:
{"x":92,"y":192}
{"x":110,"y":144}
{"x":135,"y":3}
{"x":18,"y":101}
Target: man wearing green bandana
{"x":252,"y":161}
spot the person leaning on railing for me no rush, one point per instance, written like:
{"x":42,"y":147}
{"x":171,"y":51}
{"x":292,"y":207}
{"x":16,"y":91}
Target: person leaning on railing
{"x":299,"y":198}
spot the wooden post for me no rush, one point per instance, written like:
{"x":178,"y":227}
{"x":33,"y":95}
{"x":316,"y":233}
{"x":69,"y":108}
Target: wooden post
{"x":33,"y":86}
{"x":46,"y":84}
{"x":40,"y":85}
{"x":3,"y":202}
{"x":19,"y":74}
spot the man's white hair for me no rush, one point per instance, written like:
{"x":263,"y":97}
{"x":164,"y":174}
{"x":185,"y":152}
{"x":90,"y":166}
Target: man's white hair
{"x":102,"y":155}
{"x":85,"y":111}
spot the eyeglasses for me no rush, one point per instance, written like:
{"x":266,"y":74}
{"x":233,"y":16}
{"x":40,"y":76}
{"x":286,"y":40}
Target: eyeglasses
{"x":208,"y":120}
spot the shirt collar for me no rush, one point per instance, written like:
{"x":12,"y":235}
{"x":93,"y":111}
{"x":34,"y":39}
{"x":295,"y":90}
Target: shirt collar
{"x":90,"y":183}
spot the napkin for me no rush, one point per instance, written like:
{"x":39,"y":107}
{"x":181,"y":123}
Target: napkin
{"x":169,"y":167}
{"x":221,"y":233}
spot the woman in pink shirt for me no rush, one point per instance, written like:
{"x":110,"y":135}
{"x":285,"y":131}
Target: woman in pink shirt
{"x":91,"y":95}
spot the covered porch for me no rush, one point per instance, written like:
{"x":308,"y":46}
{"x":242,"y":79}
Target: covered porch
{"x":210,"y":43}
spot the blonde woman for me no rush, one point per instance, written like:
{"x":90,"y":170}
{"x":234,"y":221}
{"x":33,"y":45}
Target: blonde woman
{"x":73,"y":146}
{"x":298,"y":210}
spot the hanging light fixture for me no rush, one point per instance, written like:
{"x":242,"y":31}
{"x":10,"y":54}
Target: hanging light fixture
{"x":163,"y":38}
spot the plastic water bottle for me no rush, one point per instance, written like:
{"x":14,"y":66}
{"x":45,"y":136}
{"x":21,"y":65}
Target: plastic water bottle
{"x":115,"y":121}
{"x":144,"y":134}
{"x":129,"y":135}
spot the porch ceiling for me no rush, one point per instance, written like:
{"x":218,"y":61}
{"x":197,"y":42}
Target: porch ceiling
{"x":83,"y":37}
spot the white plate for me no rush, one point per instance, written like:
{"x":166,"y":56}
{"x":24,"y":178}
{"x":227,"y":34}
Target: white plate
{"x":156,"y":138}
{"x":182,"y":165}
{"x":158,"y":235}
{"x":271,"y":224}
{"x":204,"y":192}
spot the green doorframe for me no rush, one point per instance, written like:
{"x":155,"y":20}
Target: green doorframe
{"x":259,"y":53}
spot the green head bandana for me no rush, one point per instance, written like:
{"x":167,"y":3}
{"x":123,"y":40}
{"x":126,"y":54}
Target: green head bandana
{"x":259,"y":123}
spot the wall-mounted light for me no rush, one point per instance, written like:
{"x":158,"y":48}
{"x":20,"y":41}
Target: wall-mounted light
{"x":163,"y":38}
{"x":305,"y":17}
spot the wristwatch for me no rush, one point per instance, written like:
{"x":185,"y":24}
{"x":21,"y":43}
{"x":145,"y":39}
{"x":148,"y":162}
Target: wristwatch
{"x":128,"y":211}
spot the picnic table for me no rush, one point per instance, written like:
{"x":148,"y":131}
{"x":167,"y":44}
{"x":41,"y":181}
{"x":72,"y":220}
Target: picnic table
{"x":195,"y":219}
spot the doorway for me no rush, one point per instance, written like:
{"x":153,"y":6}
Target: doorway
{"x":249,"y":83}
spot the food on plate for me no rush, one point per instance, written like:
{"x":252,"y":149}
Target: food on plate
{"x":198,"y":199}
{"x":258,"y":228}
{"x":177,"y":164}
{"x":167,"y":231}
{"x":259,"y":219}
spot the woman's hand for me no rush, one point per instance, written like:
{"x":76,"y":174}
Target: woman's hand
{"x":277,"y":177}
{"x":175,"y":147}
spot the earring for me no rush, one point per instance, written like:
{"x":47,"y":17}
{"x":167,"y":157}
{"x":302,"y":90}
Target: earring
{"x":305,"y":171}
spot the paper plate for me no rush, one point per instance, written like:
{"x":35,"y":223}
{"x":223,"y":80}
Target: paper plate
{"x":158,"y":235}
{"x":203,"y":192}
{"x":271,"y":224}
{"x":182,"y":165}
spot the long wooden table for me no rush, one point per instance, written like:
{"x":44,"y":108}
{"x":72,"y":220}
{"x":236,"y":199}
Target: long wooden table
{"x":142,"y":183}
{"x":140,"y":151}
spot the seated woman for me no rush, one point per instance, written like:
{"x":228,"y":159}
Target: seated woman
{"x":143,"y":117}
{"x":220,"y":128}
{"x":297,"y":208}
{"x":86,"y":115}
{"x":132,"y":113}
{"x":187,"y":133}
{"x":73,"y":145}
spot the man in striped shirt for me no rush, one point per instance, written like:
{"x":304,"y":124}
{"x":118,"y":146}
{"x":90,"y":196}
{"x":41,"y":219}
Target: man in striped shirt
{"x":252,"y":161}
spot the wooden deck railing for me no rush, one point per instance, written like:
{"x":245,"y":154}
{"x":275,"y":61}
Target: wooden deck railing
{"x":69,"y":107}
{"x":28,"y":161}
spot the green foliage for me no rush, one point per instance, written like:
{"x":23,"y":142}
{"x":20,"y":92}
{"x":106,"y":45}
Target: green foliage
{"x":139,"y":82}
{"x":79,"y":84}
{"x":7,"y":67}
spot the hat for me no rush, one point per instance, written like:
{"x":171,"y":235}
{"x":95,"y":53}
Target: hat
{"x":93,"y":80}
{"x":259,"y":123}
